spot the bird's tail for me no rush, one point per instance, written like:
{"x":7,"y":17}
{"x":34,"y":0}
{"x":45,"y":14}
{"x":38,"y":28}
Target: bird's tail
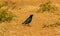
{"x":22,"y":23}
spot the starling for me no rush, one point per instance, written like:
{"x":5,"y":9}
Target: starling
{"x":28,"y":20}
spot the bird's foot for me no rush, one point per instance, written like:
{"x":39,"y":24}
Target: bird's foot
{"x":27,"y":25}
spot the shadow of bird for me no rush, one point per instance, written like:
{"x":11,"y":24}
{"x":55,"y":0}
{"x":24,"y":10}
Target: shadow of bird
{"x":28,"y":20}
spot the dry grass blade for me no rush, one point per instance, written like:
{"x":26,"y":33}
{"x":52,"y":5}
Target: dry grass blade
{"x":47,"y":7}
{"x":5,"y":15}
{"x":51,"y":25}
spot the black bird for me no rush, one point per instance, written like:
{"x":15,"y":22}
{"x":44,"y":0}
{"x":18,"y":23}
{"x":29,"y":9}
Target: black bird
{"x":28,"y":20}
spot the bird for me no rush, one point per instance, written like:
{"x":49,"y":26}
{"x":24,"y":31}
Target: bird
{"x":28,"y":20}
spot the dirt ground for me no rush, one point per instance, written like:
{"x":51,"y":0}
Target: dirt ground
{"x":23,"y":9}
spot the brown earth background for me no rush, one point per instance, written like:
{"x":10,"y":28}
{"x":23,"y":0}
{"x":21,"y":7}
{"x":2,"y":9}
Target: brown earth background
{"x":23,"y":9}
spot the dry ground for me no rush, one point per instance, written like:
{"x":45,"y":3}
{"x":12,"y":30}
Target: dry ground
{"x":22,"y":10}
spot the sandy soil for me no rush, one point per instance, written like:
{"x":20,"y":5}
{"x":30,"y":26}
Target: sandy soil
{"x":23,"y":9}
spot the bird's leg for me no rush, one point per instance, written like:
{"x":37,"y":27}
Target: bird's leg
{"x":25,"y":24}
{"x":28,"y":25}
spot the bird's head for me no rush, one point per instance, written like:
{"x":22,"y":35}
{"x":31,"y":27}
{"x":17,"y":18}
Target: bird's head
{"x":31,"y":15}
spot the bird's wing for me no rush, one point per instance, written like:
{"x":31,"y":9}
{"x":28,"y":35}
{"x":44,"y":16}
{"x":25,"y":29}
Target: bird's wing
{"x":27,"y":20}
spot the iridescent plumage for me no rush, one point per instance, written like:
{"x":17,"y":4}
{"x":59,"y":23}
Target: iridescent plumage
{"x":28,"y":20}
